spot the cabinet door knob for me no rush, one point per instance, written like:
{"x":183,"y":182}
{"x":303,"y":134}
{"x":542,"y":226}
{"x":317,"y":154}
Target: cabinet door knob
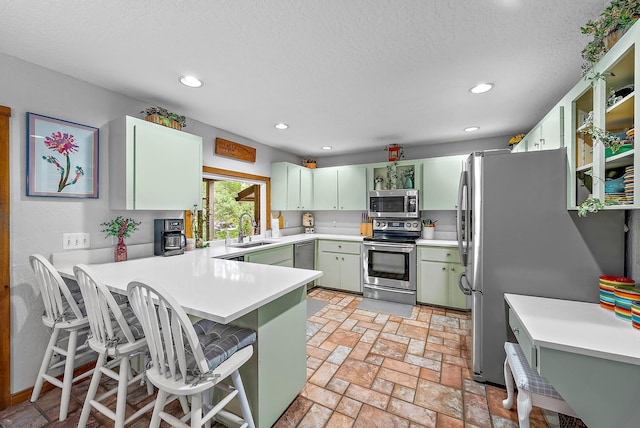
{"x":516,"y":330}
{"x":444,"y":268}
{"x":448,"y":254}
{"x":343,"y":259}
{"x":339,"y":246}
{"x":336,"y":257}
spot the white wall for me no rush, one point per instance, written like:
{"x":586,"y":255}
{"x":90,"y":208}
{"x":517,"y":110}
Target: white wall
{"x":37,"y":223}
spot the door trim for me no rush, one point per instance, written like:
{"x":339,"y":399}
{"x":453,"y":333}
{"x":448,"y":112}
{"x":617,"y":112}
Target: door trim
{"x":5,"y":262}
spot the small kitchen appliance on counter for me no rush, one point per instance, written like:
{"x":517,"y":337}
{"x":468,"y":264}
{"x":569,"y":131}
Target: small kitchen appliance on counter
{"x":168,"y":237}
{"x":307,"y":223}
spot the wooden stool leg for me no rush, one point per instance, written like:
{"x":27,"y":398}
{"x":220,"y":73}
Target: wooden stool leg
{"x":508,"y":382}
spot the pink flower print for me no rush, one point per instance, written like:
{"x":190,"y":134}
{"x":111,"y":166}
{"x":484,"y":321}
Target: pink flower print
{"x":63,"y":143}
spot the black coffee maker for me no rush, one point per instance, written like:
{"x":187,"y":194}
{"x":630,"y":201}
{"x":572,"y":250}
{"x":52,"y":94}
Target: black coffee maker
{"x":168,"y":237}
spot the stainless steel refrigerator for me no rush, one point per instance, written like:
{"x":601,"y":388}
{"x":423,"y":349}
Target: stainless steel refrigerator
{"x":517,"y":236}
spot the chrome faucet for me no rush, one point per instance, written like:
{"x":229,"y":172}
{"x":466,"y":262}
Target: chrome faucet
{"x":240,"y":234}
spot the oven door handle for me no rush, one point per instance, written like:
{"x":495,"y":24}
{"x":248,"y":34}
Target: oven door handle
{"x":401,"y":247}
{"x":395,"y":290}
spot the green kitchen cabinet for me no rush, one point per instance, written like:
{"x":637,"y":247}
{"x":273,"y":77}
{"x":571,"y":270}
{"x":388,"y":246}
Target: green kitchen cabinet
{"x":340,"y":188}
{"x":549,"y":133}
{"x":438,"y":272}
{"x":440,"y":181}
{"x":153,"y":167}
{"x":279,"y":256}
{"x":341,"y":265}
{"x":291,"y":187}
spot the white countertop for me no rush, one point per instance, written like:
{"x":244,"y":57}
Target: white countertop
{"x":578,"y":327}
{"x":216,"y":289}
{"x":221,"y":251}
{"x":437,"y":242}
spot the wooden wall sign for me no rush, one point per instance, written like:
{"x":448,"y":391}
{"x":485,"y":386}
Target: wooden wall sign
{"x":235,"y":150}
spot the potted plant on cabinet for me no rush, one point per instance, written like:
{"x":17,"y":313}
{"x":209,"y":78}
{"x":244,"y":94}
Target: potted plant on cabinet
{"x":162,"y":116}
{"x":612,"y":23}
{"x":120,"y":228}
{"x":309,"y":163}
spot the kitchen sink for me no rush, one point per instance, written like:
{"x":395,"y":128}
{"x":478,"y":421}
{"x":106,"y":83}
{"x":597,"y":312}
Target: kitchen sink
{"x":251,"y":244}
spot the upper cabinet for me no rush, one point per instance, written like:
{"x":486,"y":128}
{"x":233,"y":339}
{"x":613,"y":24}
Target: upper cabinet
{"x":291,"y":187}
{"x":404,"y":174}
{"x":340,"y":188}
{"x":152,"y":167}
{"x":605,"y":106}
{"x":440,"y":179}
{"x":548,"y":134}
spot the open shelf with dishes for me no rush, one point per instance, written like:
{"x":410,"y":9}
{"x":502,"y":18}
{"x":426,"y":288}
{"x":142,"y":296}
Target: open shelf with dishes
{"x":603,"y":156}
{"x":619,"y":118}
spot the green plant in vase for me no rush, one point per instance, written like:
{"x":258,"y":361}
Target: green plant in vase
{"x":121,"y":228}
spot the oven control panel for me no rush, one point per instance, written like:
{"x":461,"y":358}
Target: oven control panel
{"x":397,"y":225}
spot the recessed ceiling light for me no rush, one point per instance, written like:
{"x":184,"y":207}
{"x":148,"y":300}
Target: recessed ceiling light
{"x":327,"y":147}
{"x":471,"y":129}
{"x":481,"y":88}
{"x":281,"y":125}
{"x":190,"y":81}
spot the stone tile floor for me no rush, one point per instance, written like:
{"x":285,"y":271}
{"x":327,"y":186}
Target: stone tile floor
{"x":364,"y":369}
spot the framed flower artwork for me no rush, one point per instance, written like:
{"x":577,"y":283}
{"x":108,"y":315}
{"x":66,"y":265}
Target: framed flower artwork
{"x":62,"y":158}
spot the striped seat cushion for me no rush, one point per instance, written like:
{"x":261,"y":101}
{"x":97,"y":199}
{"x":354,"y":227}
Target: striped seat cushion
{"x":526,"y":378}
{"x":220,"y":341}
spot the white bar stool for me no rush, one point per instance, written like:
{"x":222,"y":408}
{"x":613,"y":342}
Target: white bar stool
{"x":533,"y":389}
{"x":64,"y":311}
{"x":190,"y":359}
{"x":117,"y":337}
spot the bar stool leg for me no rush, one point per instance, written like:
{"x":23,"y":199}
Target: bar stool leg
{"x":93,"y":389}
{"x":242,"y":397}
{"x":68,"y":374}
{"x":45,"y":364}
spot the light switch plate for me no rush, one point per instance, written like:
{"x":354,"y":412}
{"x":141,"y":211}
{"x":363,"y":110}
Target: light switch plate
{"x":74,"y":241}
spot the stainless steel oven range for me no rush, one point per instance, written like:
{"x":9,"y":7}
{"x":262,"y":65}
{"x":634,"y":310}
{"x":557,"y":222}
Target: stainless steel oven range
{"x":389,"y":261}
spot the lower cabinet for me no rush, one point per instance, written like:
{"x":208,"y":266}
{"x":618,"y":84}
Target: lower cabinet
{"x":341,"y":265}
{"x":438,"y":272}
{"x":280,"y":256}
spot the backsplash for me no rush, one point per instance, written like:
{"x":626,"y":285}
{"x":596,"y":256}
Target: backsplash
{"x":348,"y":222}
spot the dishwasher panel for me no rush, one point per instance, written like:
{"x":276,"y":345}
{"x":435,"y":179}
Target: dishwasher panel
{"x":304,"y":256}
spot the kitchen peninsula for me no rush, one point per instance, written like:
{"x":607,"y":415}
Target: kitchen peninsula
{"x":268,"y":299}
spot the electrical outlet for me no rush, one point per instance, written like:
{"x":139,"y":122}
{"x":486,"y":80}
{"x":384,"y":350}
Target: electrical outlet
{"x":72,"y":241}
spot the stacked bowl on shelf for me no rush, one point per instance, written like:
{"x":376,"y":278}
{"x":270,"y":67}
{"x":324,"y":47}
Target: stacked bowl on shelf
{"x":620,"y":295}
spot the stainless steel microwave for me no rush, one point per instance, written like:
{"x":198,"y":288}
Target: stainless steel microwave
{"x":401,"y":203}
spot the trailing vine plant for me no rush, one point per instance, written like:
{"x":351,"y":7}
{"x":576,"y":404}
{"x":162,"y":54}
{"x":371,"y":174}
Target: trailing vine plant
{"x":599,"y":134}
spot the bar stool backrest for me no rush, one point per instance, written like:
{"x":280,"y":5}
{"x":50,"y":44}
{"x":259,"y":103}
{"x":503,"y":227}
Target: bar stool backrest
{"x":175,"y":350}
{"x":59,"y":303}
{"x":109,"y":327}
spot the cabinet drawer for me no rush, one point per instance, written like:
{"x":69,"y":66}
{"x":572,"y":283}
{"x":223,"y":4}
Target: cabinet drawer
{"x":524,"y":340}
{"x":339,"y":247}
{"x":440,"y":254}
{"x":282,"y":256}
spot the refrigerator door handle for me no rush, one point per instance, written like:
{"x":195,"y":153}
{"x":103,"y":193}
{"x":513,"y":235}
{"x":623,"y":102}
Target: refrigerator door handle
{"x":461,"y":189}
{"x":465,"y":289}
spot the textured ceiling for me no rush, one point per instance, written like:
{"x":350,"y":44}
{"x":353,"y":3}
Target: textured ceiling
{"x":353,"y":74}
